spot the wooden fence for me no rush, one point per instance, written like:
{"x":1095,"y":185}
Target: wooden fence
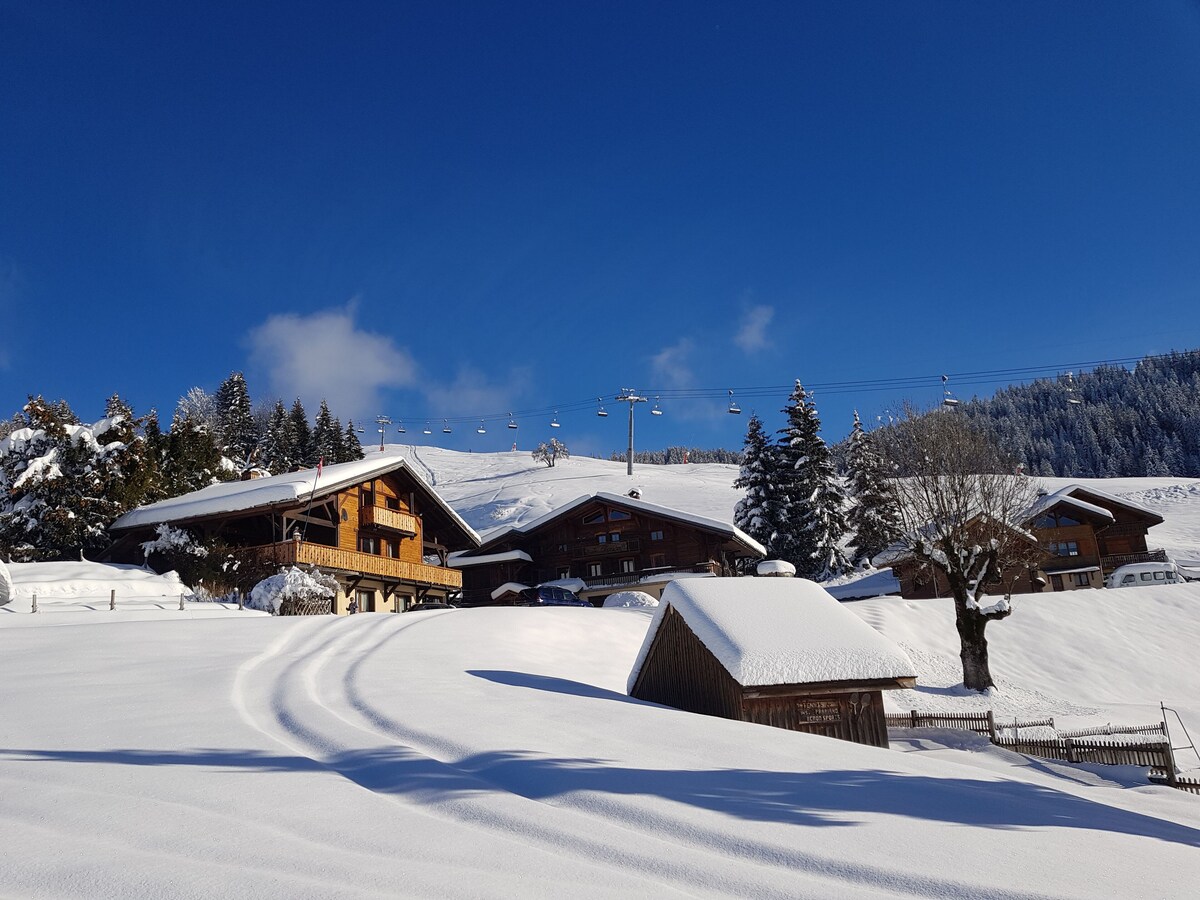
{"x":981,"y":723}
{"x":1079,"y":746}
{"x":1103,"y":730}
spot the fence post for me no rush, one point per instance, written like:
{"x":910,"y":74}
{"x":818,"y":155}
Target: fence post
{"x":991,"y":722}
{"x":1070,"y":750}
{"x":914,"y":718}
{"x":34,"y":609}
{"x":181,"y":601}
{"x":112,"y":599}
{"x":1169,"y":753}
{"x":241,"y":600}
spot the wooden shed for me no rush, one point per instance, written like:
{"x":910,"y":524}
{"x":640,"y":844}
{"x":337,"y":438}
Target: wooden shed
{"x":777,"y":651}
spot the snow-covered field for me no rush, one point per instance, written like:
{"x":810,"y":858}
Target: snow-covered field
{"x":493,"y":752}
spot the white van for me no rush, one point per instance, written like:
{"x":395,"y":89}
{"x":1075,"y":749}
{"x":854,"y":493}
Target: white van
{"x":1143,"y":574}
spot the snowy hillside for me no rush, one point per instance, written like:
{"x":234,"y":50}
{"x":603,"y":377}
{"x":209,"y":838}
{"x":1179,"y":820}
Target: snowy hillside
{"x":493,"y":752}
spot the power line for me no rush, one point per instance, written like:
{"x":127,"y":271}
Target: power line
{"x":1014,"y":375}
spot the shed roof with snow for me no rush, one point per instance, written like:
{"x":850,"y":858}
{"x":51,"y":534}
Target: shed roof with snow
{"x":775,"y":651}
{"x":774,"y":631}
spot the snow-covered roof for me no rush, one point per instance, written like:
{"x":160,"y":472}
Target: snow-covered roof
{"x":509,"y":587}
{"x":1071,"y":571}
{"x":767,"y":631}
{"x":775,"y":567}
{"x":74,"y":582}
{"x":288,"y":489}
{"x":461,"y":561}
{"x":1067,"y":496}
{"x":627,"y":502}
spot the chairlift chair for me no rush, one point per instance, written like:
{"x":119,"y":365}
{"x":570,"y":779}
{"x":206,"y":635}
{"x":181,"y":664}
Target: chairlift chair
{"x":445,"y":426}
{"x":554,"y":421}
{"x":481,"y":429}
{"x":602,"y":412}
{"x":427,"y":429}
{"x":734,"y":409}
{"x":656,"y":411}
{"x":948,"y":398}
{"x":401,"y":429}
{"x":512,"y":423}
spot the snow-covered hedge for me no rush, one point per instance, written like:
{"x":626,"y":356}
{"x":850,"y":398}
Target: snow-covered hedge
{"x":629,"y":600}
{"x":294,"y":592}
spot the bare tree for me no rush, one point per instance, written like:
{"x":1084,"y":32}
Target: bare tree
{"x":963,"y":514}
{"x":551,"y":453}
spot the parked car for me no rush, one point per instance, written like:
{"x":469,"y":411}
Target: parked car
{"x":1143,"y":574}
{"x":549,"y":596}
{"x":430,"y":604}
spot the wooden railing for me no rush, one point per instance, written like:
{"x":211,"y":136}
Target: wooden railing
{"x":394,"y":520}
{"x":288,"y":553}
{"x":620,"y":578}
{"x":1124,"y":559}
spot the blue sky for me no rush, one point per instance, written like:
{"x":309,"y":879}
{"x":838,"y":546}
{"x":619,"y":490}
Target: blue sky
{"x":450,"y":210}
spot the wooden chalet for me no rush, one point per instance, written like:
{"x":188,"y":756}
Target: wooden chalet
{"x":604,"y":543}
{"x":1084,"y":534}
{"x":375,"y":525}
{"x":776,"y":651}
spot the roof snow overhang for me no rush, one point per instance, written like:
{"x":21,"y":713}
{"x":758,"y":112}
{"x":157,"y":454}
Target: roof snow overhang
{"x":622,"y":501}
{"x":291,"y":490}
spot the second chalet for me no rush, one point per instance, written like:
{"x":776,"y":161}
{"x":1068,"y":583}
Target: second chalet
{"x":603,"y":543}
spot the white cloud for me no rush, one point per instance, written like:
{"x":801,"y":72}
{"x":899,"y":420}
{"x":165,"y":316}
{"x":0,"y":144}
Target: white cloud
{"x":326,"y":355}
{"x":472,"y":393}
{"x":672,"y":364}
{"x":752,"y":335}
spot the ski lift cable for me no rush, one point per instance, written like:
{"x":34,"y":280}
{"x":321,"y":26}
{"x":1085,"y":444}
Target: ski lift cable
{"x":980,"y":377}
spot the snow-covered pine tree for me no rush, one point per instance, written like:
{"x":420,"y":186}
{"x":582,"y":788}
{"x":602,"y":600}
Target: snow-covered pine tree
{"x":238,"y":431}
{"x":62,"y":483}
{"x":193,"y":460}
{"x":351,"y":446}
{"x":873,"y":518}
{"x":813,"y":519}
{"x":327,"y":435}
{"x":302,"y":435}
{"x":757,"y":513}
{"x":278,"y":454}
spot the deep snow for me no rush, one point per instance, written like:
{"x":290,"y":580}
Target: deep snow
{"x":494,"y":752}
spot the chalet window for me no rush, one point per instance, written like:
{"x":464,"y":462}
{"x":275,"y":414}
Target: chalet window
{"x":656,"y":535}
{"x":393,"y":503}
{"x":366,"y":600}
{"x":368,"y":544}
{"x":595,"y":570}
{"x":1056,"y":582}
{"x":366,"y":496}
{"x":627,"y":565}
{"x":618,"y":515}
{"x":1063,"y":548}
{"x":658,"y":560}
{"x":594,"y":518}
{"x":1082,"y":579}
{"x":391,"y":549}
{"x":563,"y":572}
{"x":563,"y":548}
{"x":614,"y":537}
{"x":602,"y":539}
{"x":1052,"y":520}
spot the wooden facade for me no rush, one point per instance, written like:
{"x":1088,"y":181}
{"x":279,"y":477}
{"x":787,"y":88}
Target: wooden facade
{"x":1084,"y":535}
{"x":385,"y":537}
{"x":680,"y":671}
{"x":610,"y":543}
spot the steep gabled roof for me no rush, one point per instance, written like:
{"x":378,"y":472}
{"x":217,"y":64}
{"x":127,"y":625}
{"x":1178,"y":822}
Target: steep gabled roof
{"x":623,"y":501}
{"x":776,"y":631}
{"x":291,"y":489}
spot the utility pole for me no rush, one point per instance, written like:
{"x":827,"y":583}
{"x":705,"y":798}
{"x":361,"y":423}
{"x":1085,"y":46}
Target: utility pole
{"x":383,"y":422}
{"x":628,"y":396}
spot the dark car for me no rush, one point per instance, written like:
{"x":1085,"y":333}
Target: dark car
{"x":430,"y":604}
{"x":549,"y":596}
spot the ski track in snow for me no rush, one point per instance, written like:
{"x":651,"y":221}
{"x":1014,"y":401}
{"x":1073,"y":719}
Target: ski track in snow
{"x":304,"y":693}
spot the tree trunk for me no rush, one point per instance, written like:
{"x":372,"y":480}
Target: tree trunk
{"x":973,"y":647}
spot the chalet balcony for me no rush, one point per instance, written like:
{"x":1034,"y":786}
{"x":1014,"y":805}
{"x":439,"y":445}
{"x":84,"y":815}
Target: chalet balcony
{"x":592,"y":548}
{"x":389,"y":519}
{"x":619,"y":579}
{"x":1124,"y":559}
{"x":335,"y":559}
